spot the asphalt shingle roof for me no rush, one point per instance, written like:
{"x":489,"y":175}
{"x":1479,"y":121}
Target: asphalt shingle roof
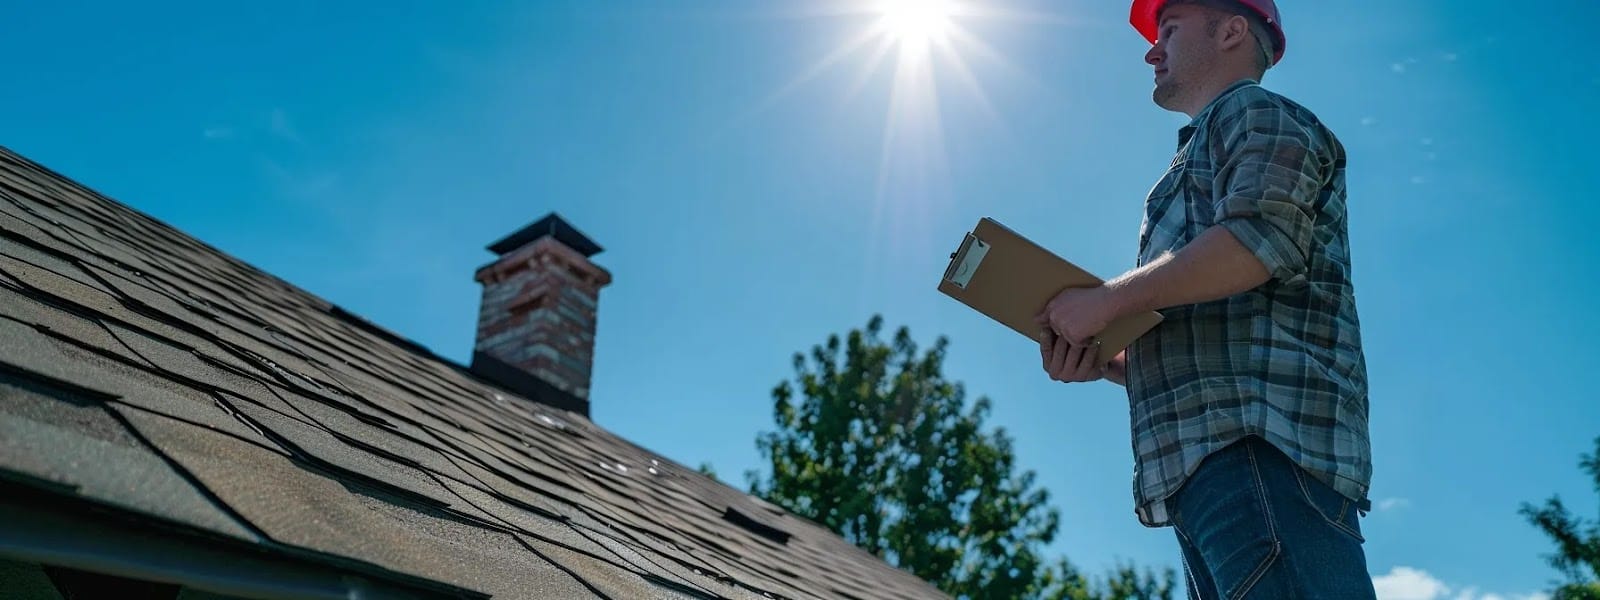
{"x":146,"y":376}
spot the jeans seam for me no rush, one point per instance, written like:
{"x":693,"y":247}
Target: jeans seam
{"x":1272,"y":531}
{"x":1188,"y":572}
{"x":1178,"y":529}
{"x":1305,"y":492}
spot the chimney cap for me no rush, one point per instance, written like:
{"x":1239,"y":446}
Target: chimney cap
{"x":551,"y":225}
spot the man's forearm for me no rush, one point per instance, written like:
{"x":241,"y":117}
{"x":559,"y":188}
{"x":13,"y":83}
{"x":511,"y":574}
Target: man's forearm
{"x":1213,"y":266}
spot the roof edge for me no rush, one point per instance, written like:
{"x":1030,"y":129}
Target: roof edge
{"x":43,"y":527}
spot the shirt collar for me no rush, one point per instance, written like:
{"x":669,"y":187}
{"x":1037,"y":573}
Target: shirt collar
{"x":1187,"y":131}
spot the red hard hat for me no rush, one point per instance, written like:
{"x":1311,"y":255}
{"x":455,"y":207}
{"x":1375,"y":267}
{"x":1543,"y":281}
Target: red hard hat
{"x":1145,"y":12}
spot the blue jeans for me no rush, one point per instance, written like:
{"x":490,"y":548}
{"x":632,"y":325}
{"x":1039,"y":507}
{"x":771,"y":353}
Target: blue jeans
{"x":1252,"y":524}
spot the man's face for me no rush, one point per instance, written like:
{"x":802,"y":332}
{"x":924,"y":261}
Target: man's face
{"x":1183,"y":52}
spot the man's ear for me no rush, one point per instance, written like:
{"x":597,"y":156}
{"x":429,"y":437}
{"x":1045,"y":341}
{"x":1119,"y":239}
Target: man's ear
{"x":1235,"y":31}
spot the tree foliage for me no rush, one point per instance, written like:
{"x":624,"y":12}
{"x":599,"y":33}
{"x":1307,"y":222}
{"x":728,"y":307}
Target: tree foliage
{"x":1577,"y":540}
{"x":873,"y":443}
{"x":706,"y":469}
{"x":1126,"y":582}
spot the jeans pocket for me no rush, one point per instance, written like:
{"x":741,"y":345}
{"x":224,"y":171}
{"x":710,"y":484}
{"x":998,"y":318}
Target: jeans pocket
{"x":1335,"y":508}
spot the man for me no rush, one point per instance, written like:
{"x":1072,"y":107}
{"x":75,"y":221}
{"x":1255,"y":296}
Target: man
{"x":1248,"y":404}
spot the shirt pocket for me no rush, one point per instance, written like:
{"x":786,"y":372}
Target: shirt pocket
{"x":1199,"y":183}
{"x":1164,"y":222}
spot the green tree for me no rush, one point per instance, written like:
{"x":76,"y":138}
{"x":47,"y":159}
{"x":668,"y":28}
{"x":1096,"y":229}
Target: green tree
{"x":875,"y":444}
{"x":1126,"y":582}
{"x":706,"y":469}
{"x":1577,"y":540}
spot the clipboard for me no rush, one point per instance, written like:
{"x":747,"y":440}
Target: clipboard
{"x":1009,"y":278}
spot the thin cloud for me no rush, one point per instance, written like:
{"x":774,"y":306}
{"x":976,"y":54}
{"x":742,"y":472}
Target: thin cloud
{"x":1397,"y":67}
{"x":1369,"y":121}
{"x":1408,"y":583}
{"x":1388,"y":504}
{"x":1450,"y":56}
{"x":304,"y":184}
{"x":280,"y":126}
{"x":1471,"y":593}
{"x":218,"y":133}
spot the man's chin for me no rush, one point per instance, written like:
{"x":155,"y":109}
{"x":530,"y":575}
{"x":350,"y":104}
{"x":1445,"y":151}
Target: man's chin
{"x":1163,"y":95}
{"x":1160,"y":96}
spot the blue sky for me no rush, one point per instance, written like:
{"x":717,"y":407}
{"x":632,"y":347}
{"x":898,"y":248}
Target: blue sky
{"x":752,"y":202}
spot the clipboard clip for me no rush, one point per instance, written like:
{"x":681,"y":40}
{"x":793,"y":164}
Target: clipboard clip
{"x":965,"y":260}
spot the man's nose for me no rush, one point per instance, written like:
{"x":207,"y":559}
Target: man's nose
{"x":1155,"y":55}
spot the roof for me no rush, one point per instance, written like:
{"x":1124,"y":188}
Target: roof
{"x":170,"y":413}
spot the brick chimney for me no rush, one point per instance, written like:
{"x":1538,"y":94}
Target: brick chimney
{"x":536,"y":323}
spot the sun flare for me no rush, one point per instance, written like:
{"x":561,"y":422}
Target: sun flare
{"x":915,"y":23}
{"x":926,"y":61}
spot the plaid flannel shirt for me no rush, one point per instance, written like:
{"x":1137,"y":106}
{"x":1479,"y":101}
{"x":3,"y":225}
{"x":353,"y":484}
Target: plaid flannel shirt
{"x":1282,"y":361}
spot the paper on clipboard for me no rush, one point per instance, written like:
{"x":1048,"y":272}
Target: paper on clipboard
{"x":1008,"y":278}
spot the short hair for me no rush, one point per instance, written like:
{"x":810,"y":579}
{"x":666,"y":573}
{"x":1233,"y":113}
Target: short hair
{"x":1266,"y":43}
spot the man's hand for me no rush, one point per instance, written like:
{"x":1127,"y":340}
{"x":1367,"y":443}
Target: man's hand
{"x":1067,"y":362}
{"x":1079,"y":314}
{"x":1071,"y":364}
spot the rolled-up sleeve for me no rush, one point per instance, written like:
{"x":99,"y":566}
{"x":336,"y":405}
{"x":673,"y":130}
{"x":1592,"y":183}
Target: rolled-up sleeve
{"x":1269,"y":177}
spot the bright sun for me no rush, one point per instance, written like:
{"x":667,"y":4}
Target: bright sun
{"x":930,"y":51}
{"x":915,"y":23}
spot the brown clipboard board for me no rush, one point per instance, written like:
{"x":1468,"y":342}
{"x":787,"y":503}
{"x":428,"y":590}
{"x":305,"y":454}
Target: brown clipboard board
{"x":1009,"y":278}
